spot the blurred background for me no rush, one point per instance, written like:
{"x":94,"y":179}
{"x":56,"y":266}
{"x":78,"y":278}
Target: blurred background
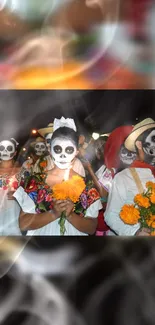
{"x":84,"y":281}
{"x":84,"y":44}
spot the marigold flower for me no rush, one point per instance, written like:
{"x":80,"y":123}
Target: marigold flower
{"x":152,"y":198}
{"x":150,"y":185}
{"x":129,"y":214}
{"x":71,"y":189}
{"x":142,"y":201}
{"x":151,"y":221}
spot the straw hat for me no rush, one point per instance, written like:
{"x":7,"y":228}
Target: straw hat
{"x":48,"y":129}
{"x":138,"y":129}
{"x":39,"y":139}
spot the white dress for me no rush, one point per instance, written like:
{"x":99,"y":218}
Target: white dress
{"x":53,"y":228}
{"x":123,"y":191}
{"x":9,"y":210}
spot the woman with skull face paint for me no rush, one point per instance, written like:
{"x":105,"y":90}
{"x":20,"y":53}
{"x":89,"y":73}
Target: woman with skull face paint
{"x":9,"y":180}
{"x":47,"y":134}
{"x":64,"y":148}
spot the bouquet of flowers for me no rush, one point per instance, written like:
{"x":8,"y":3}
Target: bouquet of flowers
{"x":70,"y":189}
{"x":74,"y":189}
{"x":143,"y":211}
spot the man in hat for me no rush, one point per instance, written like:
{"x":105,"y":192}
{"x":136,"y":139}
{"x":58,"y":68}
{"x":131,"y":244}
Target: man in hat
{"x":38,"y":156}
{"x":132,"y":181}
{"x":47,"y":134}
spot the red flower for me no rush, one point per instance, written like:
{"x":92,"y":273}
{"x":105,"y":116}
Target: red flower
{"x":15,"y":185}
{"x":93,"y":194}
{"x":48,"y":198}
{"x":41,"y":196}
{"x":32,"y":186}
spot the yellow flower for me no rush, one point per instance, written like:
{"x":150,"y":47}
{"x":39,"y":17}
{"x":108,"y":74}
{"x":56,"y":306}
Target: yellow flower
{"x":150,"y":185}
{"x":129,"y":214}
{"x":142,"y":201}
{"x":152,"y":198}
{"x":71,"y":189}
{"x":151,"y":221}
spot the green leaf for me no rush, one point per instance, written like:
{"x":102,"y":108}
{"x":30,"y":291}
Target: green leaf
{"x":42,"y":207}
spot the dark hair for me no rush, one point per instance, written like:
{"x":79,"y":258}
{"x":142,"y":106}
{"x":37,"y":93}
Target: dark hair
{"x":31,"y":151}
{"x":66,"y":133}
{"x":14,"y":143}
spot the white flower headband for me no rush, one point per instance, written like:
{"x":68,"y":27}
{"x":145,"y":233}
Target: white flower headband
{"x":60,"y":123}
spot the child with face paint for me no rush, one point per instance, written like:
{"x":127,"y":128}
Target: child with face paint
{"x":132,"y":181}
{"x":64,"y":148}
{"x":9,"y":180}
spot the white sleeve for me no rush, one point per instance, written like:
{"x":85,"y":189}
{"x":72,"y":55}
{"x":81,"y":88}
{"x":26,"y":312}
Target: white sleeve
{"x":93,"y":210}
{"x":26,"y":203}
{"x":116,"y":200}
{"x":78,"y":167}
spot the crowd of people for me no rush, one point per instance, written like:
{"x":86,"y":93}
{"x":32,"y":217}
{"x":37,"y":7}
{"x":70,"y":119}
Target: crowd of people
{"x":70,"y":186}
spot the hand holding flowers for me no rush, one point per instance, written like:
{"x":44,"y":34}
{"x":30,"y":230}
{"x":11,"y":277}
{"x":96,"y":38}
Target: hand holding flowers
{"x":142,"y":212}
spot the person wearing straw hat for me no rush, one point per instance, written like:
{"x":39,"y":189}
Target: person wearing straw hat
{"x":38,"y":156}
{"x":47,"y":134}
{"x":132,"y":181}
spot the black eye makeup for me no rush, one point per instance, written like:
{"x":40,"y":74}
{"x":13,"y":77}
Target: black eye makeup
{"x":9,"y":148}
{"x":69,"y":150}
{"x":2,"y":148}
{"x":57,"y":149}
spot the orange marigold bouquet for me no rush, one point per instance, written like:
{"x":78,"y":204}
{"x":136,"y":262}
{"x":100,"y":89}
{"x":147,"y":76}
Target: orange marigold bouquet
{"x":70,"y":189}
{"x":143,"y":211}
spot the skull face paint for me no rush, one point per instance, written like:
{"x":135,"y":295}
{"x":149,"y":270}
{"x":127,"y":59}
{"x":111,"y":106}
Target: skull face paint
{"x":148,"y":144}
{"x":40,"y":148}
{"x":127,"y":157}
{"x":63,"y":152}
{"x":7,"y":150}
{"x":48,"y":141}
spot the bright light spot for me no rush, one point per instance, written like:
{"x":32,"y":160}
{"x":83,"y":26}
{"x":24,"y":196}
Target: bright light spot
{"x":24,"y":149}
{"x":34,"y":131}
{"x":95,"y":136}
{"x":29,"y":157}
